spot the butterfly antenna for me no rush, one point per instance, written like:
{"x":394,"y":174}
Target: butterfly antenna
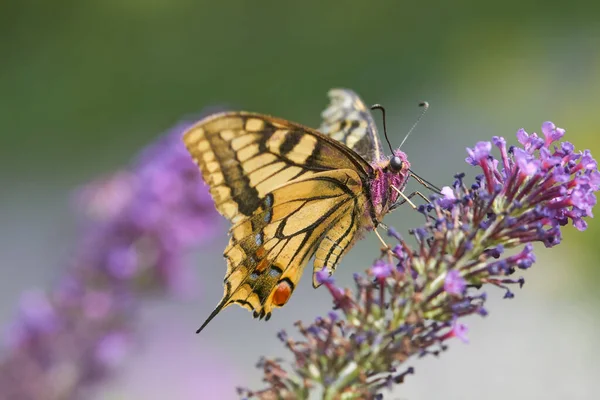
{"x":380,"y":107}
{"x":425,"y":106}
{"x":213,"y":314}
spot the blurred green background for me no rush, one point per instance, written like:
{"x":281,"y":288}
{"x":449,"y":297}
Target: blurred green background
{"x":84,"y":85}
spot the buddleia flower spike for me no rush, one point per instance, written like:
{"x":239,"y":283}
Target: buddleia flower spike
{"x":412,"y":303}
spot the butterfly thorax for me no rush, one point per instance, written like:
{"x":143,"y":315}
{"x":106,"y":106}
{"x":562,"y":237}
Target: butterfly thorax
{"x":383,"y":194}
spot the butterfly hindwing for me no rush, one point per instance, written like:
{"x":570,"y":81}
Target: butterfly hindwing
{"x":348,"y":120}
{"x":268,"y":252}
{"x":339,"y":238}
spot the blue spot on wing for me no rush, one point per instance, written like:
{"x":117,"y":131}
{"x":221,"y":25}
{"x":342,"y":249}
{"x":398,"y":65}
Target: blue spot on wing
{"x":268,"y":216}
{"x":274,"y":273}
{"x":268,"y":200}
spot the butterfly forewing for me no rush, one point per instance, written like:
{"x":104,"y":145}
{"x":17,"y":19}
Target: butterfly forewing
{"x":289,"y":192}
{"x":244,"y":156}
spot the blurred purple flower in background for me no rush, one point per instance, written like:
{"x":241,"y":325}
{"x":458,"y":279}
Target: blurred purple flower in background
{"x":137,"y":226}
{"x":414,"y":298}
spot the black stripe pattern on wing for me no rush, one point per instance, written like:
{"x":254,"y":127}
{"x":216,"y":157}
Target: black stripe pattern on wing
{"x":245,"y":195}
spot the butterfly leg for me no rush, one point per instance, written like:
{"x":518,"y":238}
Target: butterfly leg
{"x":410,"y":196}
{"x":426,"y":184}
{"x":386,"y":247}
{"x":383,"y":226}
{"x":405,"y":197}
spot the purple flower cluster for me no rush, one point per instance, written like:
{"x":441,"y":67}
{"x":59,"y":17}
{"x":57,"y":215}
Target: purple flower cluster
{"x":138,"y":224}
{"x":559,"y":177}
{"x":414,"y":298}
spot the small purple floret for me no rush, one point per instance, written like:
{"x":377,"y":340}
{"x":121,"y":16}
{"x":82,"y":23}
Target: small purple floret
{"x":381,"y":269}
{"x":460,"y":331}
{"x":324,"y":277}
{"x":449,"y":197}
{"x":480,"y":152}
{"x":527,"y":164}
{"x":282,"y":335}
{"x":454,"y":283}
{"x":551,"y":132}
{"x":333,"y":316}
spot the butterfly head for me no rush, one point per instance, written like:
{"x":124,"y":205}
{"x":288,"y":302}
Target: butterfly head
{"x":398,"y":163}
{"x":389,"y":174}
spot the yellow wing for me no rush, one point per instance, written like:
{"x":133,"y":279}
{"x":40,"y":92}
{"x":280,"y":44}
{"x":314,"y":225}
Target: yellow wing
{"x":289,"y":191}
{"x":348,"y":120}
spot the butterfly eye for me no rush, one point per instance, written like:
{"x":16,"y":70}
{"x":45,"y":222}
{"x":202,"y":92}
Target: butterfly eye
{"x":396,"y":163}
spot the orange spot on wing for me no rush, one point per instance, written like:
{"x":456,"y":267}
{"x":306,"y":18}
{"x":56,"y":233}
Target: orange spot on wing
{"x":282,"y":294}
{"x":262,"y":265}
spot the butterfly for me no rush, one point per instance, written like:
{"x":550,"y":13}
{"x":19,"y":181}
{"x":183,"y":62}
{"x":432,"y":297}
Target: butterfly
{"x":292,"y":192}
